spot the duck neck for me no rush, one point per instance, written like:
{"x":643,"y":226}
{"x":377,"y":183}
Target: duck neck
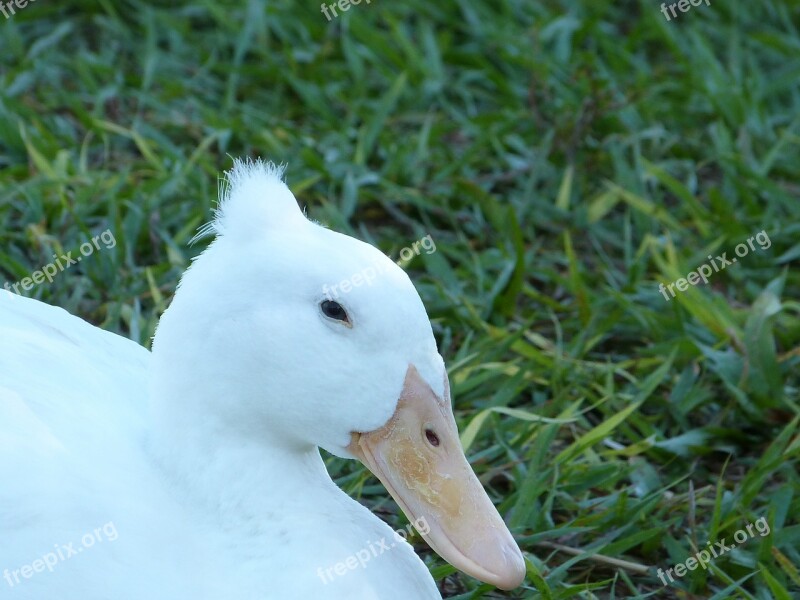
{"x":247,"y":482}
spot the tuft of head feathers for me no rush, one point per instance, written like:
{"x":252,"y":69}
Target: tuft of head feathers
{"x":253,"y":198}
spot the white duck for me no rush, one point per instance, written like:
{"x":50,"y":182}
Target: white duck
{"x":215,"y":488}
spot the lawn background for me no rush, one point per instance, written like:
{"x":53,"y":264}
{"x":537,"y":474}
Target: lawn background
{"x":565,"y":156}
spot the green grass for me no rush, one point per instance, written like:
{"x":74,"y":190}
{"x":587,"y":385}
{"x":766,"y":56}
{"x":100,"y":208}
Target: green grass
{"x":566,"y":156}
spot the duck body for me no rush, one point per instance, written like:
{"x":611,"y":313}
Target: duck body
{"x":193,"y":471}
{"x":79,"y":466}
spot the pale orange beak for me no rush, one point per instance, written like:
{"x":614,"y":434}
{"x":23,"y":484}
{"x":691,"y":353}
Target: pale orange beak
{"x":418,"y":457}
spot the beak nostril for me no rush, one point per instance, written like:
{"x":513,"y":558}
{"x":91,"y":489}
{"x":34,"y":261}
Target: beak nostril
{"x":433,"y":439}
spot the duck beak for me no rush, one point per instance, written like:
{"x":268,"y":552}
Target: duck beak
{"x":417,"y":455}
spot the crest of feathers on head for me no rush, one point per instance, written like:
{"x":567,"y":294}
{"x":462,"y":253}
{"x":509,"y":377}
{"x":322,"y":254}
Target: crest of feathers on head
{"x":253,"y":198}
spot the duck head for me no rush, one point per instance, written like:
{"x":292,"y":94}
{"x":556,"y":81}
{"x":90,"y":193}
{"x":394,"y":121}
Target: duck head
{"x":301,"y":337}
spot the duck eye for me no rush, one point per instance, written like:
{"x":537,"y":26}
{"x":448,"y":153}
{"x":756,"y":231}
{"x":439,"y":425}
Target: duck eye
{"x":334,"y":310}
